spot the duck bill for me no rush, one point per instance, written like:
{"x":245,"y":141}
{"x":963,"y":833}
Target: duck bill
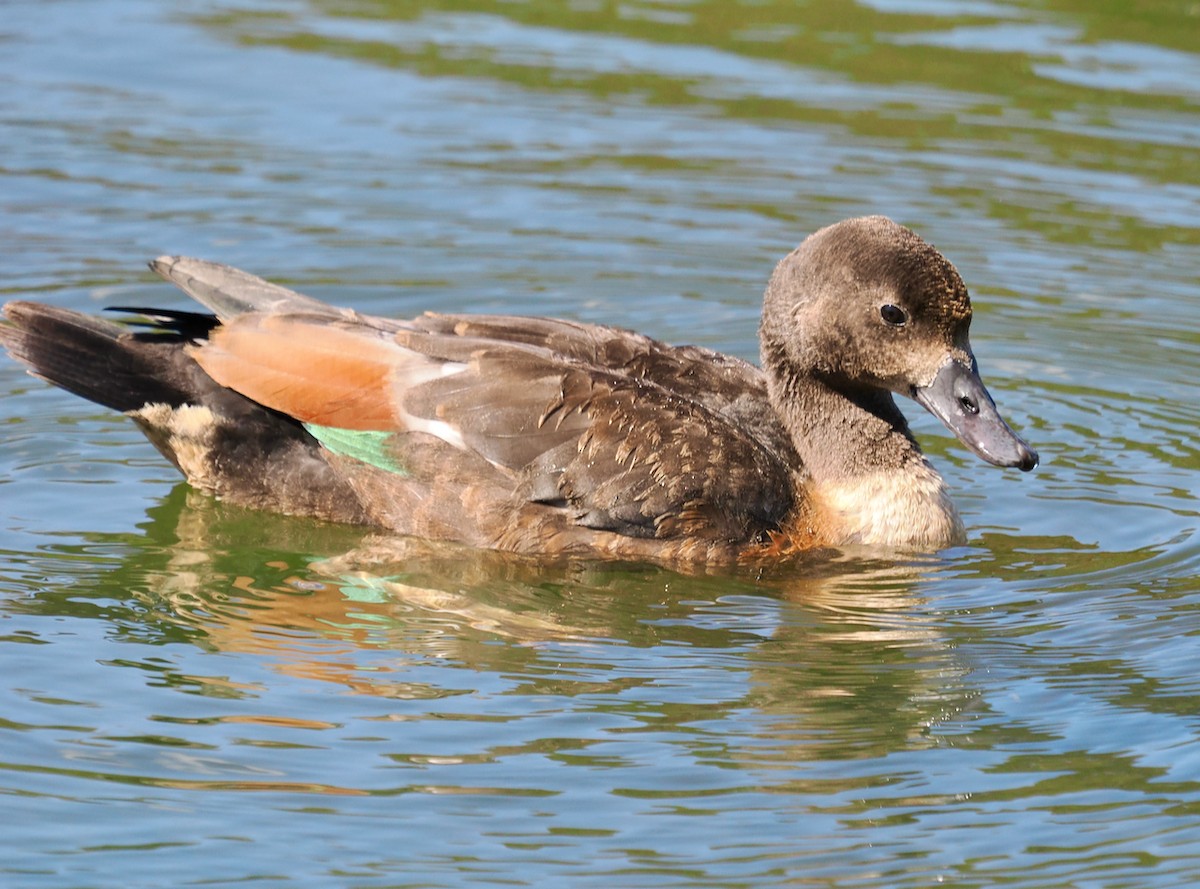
{"x":959,"y":399}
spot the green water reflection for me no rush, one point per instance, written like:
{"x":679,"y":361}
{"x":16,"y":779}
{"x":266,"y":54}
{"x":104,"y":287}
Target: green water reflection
{"x":901,"y":78}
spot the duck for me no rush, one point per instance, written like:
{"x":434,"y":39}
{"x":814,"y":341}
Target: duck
{"x":550,"y":437}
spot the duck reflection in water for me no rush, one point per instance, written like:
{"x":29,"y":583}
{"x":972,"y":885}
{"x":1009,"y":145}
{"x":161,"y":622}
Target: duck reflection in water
{"x":411,"y":622}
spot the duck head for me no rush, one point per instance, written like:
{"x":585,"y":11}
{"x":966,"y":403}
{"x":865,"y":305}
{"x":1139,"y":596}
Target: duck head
{"x":867,"y":307}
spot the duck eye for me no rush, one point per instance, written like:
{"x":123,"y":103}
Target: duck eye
{"x":893,"y":315}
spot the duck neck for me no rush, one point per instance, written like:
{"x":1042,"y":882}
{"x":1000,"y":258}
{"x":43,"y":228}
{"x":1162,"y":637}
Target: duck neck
{"x":843,"y":433}
{"x":868,"y":480}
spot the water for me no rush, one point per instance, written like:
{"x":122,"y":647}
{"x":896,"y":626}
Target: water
{"x":194,"y":694}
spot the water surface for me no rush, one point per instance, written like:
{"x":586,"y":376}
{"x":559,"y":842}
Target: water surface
{"x":197,"y":694}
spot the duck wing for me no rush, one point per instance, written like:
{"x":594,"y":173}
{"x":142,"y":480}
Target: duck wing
{"x":603,"y":428}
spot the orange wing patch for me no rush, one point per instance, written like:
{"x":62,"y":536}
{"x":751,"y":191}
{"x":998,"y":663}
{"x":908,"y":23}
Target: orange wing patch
{"x":313,"y":369}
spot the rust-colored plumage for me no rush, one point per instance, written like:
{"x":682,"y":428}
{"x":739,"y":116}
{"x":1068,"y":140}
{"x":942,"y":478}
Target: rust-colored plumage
{"x":309,"y":367}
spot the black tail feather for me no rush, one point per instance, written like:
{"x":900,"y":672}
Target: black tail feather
{"x":191,"y":326}
{"x":223,"y":442}
{"x":101,"y":361}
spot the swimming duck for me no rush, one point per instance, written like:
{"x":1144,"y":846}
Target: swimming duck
{"x":548,"y":436}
